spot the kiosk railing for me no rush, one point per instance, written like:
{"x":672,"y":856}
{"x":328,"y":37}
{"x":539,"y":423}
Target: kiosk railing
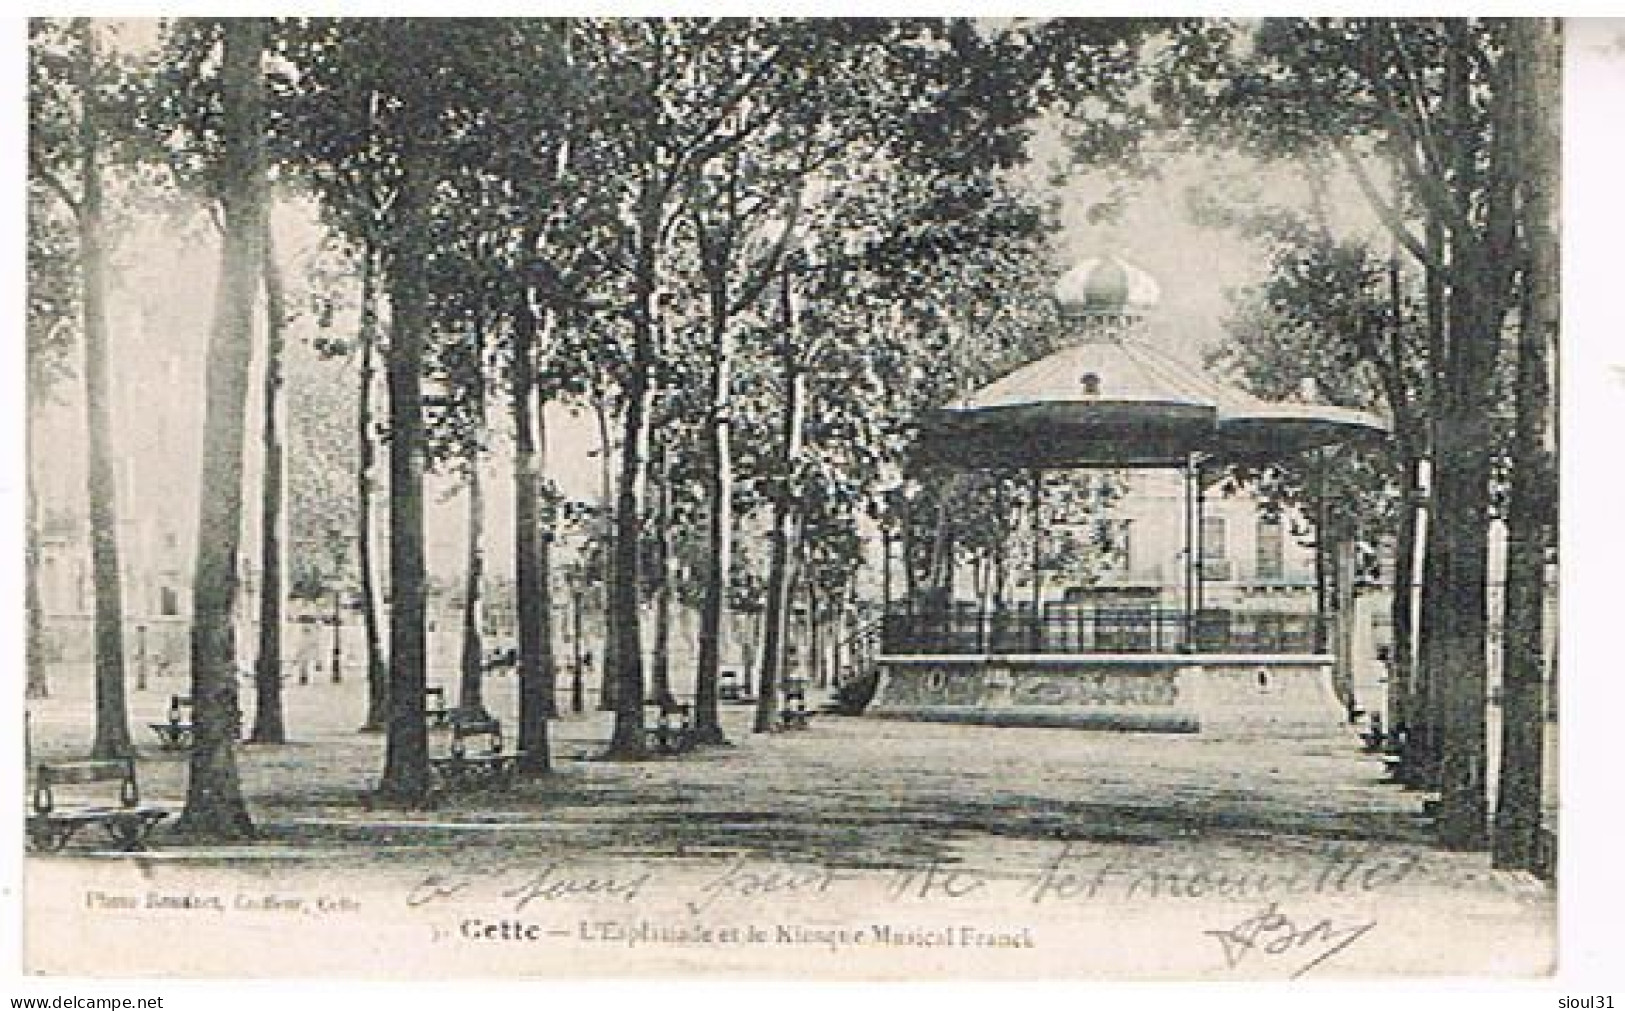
{"x":1067,"y":628}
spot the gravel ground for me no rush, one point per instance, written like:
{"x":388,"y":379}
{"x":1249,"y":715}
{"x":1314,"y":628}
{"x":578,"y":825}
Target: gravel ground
{"x":859,"y":848}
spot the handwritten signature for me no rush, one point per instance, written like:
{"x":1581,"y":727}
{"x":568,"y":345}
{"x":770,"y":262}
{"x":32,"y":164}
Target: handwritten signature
{"x":1272,"y":935}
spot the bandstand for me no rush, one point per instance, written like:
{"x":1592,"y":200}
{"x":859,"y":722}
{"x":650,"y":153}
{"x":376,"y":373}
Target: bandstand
{"x":1168,"y":662}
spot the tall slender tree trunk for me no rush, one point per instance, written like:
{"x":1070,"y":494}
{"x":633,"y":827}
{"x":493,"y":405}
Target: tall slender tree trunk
{"x":37,"y":683}
{"x":471,"y":683}
{"x":214,"y":802}
{"x":776,"y":617}
{"x":1344,"y":606}
{"x":406,"y":756}
{"x":1402,"y":605}
{"x":1481,"y":272}
{"x":1423,"y":741}
{"x":470,"y":694}
{"x":547,"y":696}
{"x":719,"y":524}
{"x":112,"y":735}
{"x":607,"y":688}
{"x":625,"y":597}
{"x":815,"y":637}
{"x":269,"y":725}
{"x":366,"y":467}
{"x":534,"y":611}
{"x":1402,"y":584}
{"x":1537,"y":54}
{"x":1461,"y":515}
{"x":780,"y":578}
{"x":907,"y":542}
{"x":660,"y":686}
{"x":337,"y":653}
{"x":886,"y":540}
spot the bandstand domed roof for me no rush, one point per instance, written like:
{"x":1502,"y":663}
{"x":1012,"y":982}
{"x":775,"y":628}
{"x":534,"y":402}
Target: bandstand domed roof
{"x":1112,"y":400}
{"x":1105,"y":285}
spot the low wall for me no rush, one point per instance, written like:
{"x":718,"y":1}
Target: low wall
{"x":1170,"y":693}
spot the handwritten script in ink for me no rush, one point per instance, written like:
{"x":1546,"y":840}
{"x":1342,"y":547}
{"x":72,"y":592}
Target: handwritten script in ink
{"x":1272,"y":936}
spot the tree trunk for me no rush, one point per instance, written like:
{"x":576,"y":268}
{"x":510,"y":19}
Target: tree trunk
{"x":1536,"y":51}
{"x":780,"y":580}
{"x":1343,"y":573}
{"x":1460,"y":514}
{"x":886,"y":539}
{"x":577,"y":667}
{"x":719,"y":528}
{"x":38,"y":683}
{"x":1481,"y":269}
{"x":660,"y":685}
{"x":547,"y":695}
{"x":470,"y":694}
{"x":776,"y":617}
{"x":816,"y":674}
{"x":269,"y":726}
{"x":338,"y":633}
{"x":406,"y":757}
{"x":532,"y":606}
{"x":112,"y":736}
{"x":366,"y":461}
{"x":606,"y":686}
{"x":214,"y":803}
{"x":625,"y":596}
{"x":1402,"y":606}
{"x":1420,"y":767}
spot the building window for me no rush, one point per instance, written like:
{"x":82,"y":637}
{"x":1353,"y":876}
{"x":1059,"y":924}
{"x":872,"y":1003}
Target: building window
{"x":1215,"y":552}
{"x":169,"y":604}
{"x":1270,"y":563}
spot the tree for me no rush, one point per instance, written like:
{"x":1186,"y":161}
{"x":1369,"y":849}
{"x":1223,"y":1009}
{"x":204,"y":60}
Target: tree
{"x":214,"y":803}
{"x":269,"y":724}
{"x":336,"y":128}
{"x":376,"y":120}
{"x":406,"y":759}
{"x":470,"y":696}
{"x":74,"y":83}
{"x":366,"y":464}
{"x":1535,"y":51}
{"x":1431,"y":100}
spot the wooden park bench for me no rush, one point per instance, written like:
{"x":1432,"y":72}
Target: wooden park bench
{"x":487,"y":764}
{"x":794,"y":715}
{"x":434,"y":706}
{"x":1374,"y":737}
{"x":176,"y":735}
{"x":673,"y":729}
{"x":55,"y":818}
{"x":733,"y":686}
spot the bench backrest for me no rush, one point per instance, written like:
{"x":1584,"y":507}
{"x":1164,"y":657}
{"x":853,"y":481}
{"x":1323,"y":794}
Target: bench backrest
{"x":665,"y":711}
{"x":465,"y":728}
{"x":50,"y":775}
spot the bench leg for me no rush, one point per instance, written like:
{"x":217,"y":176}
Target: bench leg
{"x":49,"y":836}
{"x":129,"y":832}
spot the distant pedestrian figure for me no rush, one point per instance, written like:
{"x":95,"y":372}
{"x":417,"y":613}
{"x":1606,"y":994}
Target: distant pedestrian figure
{"x":578,"y":680}
{"x":308,"y":651}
